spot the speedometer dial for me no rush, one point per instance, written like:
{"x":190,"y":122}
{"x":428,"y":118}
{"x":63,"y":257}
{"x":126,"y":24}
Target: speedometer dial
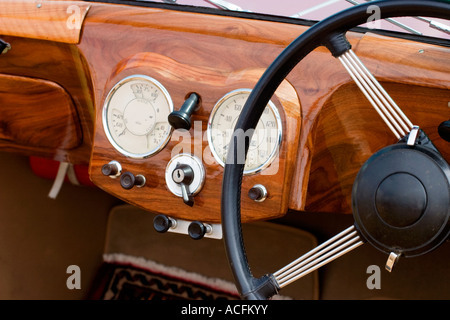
{"x":135,"y":116}
{"x":266,"y":137}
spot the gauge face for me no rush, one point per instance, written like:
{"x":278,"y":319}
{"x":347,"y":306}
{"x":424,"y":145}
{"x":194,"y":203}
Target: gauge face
{"x":266,"y":138}
{"x":135,"y":116}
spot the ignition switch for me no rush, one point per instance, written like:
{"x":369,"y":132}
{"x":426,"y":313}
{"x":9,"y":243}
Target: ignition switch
{"x":185,"y":176}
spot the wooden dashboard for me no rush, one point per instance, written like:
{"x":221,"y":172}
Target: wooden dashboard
{"x":55,"y":80}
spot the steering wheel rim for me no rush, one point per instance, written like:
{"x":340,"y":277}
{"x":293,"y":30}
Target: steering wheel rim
{"x":327,"y":33}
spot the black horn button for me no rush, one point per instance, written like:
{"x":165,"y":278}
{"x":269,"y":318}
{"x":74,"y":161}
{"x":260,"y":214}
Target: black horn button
{"x":401,"y":200}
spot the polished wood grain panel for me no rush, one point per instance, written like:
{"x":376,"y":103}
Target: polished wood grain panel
{"x":37,"y":113}
{"x":215,"y":54}
{"x":211,"y":85}
{"x":56,"y":63}
{"x":315,"y":78}
{"x":208,"y":54}
{"x":403,"y":61}
{"x":224,"y":45}
{"x":59,"y":21}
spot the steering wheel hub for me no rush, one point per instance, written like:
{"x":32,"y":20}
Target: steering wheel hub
{"x":401,"y":200}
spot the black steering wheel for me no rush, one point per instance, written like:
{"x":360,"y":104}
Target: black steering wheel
{"x":379,"y":198}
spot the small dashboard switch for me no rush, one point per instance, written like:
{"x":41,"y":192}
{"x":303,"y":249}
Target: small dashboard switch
{"x":112,"y":169}
{"x":129,"y":180}
{"x":258,"y":193}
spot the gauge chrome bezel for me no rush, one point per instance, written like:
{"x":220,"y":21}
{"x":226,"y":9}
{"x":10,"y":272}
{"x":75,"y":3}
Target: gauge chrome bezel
{"x":274,"y":152}
{"x":106,"y":129}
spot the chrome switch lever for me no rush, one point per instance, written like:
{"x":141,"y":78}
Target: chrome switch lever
{"x":413,"y":136}
{"x":391,"y":261}
{"x":184,"y":175}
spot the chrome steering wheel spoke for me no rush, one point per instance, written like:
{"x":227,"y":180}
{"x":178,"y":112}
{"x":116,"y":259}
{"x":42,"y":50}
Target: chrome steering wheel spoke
{"x":381,"y":101}
{"x":342,"y":243}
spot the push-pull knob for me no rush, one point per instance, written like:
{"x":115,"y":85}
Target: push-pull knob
{"x":197,"y":230}
{"x":181,"y":119}
{"x":183,"y":175}
{"x":258,"y":193}
{"x":129,"y":180}
{"x":391,"y":261}
{"x":163,"y":223}
{"x":112,"y":169}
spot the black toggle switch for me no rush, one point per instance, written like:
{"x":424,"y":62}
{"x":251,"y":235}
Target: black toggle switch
{"x":129,"y":180}
{"x":163,"y":223}
{"x":181,"y":119}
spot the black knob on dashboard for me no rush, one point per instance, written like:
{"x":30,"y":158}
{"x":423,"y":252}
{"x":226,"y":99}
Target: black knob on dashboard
{"x":162,"y":223}
{"x":181,"y":119}
{"x":112,"y":169}
{"x":444,"y":130}
{"x":197,"y":230}
{"x":129,"y":180}
{"x":258,"y":193}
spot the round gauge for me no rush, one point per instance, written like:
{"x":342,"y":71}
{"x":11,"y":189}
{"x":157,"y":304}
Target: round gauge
{"x":135,"y":116}
{"x":266,"y":138}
